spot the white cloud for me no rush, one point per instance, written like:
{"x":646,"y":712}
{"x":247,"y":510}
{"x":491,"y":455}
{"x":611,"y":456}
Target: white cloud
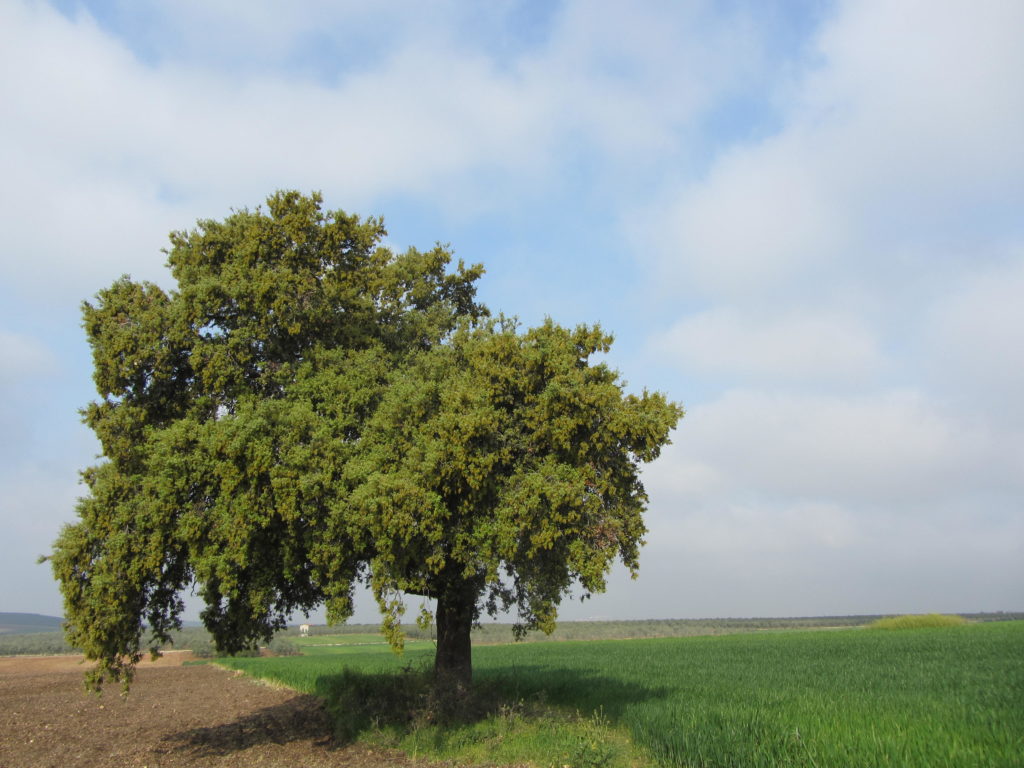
{"x":892,"y":449}
{"x":723,"y":550}
{"x":763,"y":218}
{"x":795,"y":503}
{"x":763,"y":560}
{"x":36,"y":500}
{"x":901,"y":143}
{"x":738,"y":531}
{"x":927,"y":92}
{"x":859,"y":343}
{"x":630,"y":78}
{"x":24,"y":358}
{"x":85,"y":99}
{"x":37,"y":422}
{"x":105,"y":152}
{"x":797,"y":347}
{"x":975,"y":342}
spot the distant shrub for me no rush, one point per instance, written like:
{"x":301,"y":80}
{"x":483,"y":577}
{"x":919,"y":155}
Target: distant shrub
{"x":204,"y":649}
{"x":918,"y":621}
{"x":281,"y":646}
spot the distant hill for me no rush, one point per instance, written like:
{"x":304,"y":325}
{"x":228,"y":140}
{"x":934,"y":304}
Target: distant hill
{"x":27,"y":623}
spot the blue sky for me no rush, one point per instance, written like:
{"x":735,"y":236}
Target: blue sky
{"x":802,"y":220}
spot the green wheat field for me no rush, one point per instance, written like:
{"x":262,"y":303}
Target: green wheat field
{"x":934,"y":696}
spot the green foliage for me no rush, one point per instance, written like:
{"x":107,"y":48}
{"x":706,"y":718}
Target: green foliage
{"x":281,"y":646}
{"x":508,"y":462}
{"x":593,"y":747}
{"x":52,"y":643}
{"x":202,"y":645}
{"x":34,"y":644}
{"x":947,"y":698}
{"x":307,"y":409}
{"x":918,"y":621}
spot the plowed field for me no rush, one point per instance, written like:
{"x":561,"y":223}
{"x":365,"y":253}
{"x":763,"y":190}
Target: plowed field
{"x":175,"y":716}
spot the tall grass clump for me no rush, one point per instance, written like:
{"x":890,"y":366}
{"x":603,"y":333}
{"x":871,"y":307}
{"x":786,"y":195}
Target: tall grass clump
{"x":918,"y":621}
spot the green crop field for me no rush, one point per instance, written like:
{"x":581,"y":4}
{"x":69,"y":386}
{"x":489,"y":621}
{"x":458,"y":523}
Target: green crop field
{"x":922,"y":697}
{"x":347,"y":645}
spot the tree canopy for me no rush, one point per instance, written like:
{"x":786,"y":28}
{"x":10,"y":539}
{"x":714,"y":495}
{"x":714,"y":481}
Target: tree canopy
{"x":307,"y":410}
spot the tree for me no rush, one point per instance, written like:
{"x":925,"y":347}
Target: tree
{"x":307,"y":410}
{"x":499,"y":469}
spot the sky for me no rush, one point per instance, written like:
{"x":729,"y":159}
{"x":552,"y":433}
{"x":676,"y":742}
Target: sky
{"x":802,"y":220}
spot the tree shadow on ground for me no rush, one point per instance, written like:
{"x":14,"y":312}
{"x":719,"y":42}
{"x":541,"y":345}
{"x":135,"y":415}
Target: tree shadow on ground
{"x":407,"y":700}
{"x":298,"y":719}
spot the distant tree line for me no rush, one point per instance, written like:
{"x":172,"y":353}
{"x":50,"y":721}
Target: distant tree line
{"x":643,"y":628}
{"x":198,"y":640}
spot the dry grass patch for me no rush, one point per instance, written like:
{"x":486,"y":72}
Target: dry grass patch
{"x":918,"y":621}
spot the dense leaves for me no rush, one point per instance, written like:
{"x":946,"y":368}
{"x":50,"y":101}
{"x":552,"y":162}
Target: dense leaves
{"x":307,"y":409}
{"x":510,"y":461}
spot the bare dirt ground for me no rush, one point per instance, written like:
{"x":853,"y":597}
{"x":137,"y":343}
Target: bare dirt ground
{"x":175,"y":716}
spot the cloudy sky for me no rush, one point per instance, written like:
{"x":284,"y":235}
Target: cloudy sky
{"x":803,"y":220}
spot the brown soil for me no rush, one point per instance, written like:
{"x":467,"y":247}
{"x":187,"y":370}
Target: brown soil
{"x":175,"y":716}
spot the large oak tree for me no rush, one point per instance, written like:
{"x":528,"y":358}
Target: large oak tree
{"x":307,"y":410}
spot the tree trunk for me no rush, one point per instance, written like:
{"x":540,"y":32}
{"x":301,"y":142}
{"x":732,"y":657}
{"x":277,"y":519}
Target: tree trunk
{"x":453,"y":664}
